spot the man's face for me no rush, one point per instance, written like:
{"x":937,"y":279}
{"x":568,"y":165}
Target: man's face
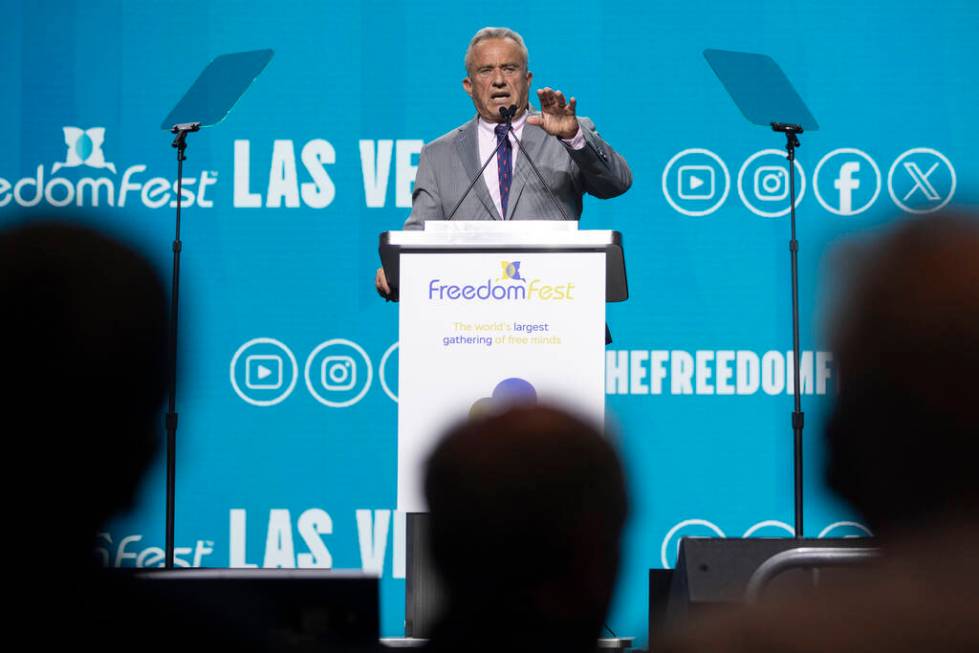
{"x":497,"y":78}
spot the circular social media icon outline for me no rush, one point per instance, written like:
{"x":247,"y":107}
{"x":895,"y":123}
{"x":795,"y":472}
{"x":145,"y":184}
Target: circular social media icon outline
{"x":920,"y":150}
{"x":285,"y":393}
{"x":309,"y":364}
{"x":744,"y":197}
{"x":857,"y":525}
{"x":666,"y":174}
{"x":827,"y":157}
{"x":382,"y":367}
{"x":664,"y":549}
{"x":765,"y":524}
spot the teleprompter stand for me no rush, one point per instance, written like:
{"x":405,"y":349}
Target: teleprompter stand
{"x":180,"y":143}
{"x":206,"y":103}
{"x":766,"y":97}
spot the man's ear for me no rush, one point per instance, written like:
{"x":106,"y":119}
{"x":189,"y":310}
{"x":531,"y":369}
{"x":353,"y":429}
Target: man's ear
{"x":467,"y":86}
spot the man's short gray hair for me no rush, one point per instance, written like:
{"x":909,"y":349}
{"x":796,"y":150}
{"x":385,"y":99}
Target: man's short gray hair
{"x":495,"y":33}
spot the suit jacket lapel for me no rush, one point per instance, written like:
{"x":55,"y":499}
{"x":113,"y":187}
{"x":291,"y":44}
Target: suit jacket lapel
{"x":467,"y":145}
{"x":533,"y":140}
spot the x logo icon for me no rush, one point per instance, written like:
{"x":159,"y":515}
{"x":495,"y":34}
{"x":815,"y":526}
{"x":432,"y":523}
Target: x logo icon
{"x":921,"y":181}
{"x":933,"y":177}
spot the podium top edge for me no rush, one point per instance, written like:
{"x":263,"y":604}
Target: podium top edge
{"x":570,"y":239}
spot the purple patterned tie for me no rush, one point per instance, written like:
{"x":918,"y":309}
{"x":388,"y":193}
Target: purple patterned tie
{"x":504,"y":160}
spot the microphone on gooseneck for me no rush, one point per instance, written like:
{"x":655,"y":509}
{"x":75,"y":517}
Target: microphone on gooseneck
{"x":540,"y":177}
{"x":507,"y":115}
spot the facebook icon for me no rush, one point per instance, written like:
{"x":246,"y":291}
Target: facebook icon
{"x":846,"y":184}
{"x":852,"y":190}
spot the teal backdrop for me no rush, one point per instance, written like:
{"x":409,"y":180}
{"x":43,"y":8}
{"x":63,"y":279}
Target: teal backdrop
{"x":286,"y":197}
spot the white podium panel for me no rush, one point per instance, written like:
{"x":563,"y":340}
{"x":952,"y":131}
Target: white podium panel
{"x":478,"y":329}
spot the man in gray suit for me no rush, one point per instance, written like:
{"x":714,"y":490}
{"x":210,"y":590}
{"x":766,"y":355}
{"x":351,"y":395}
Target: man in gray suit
{"x":571,"y":156}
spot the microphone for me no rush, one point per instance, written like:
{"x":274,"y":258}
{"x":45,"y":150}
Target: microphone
{"x":540,"y":177}
{"x":507,"y":115}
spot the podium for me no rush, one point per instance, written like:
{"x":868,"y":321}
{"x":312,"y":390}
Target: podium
{"x":493,"y":313}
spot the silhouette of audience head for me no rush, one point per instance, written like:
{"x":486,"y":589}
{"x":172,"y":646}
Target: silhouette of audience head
{"x":526,"y":513}
{"x":902,"y":438}
{"x":84,"y":329}
{"x":900,"y":446}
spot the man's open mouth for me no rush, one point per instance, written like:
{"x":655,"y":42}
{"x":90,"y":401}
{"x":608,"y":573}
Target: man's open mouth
{"x":500,"y":96}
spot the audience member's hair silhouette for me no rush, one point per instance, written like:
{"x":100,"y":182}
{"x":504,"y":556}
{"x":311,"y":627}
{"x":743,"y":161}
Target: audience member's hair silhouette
{"x":902,"y":439}
{"x":84,"y":328}
{"x":526,"y":513}
{"x":901,"y":446}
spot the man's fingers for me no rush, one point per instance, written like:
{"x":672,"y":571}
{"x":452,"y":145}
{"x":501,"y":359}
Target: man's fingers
{"x":555,"y":100}
{"x":535,"y":120}
{"x":546,"y":97}
{"x":381,"y":281}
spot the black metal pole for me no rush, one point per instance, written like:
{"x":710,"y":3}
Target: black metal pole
{"x":798,"y":417}
{"x":180,"y":143}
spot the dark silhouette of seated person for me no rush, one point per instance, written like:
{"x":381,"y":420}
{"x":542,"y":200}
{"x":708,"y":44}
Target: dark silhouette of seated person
{"x":84,"y":326}
{"x":526,"y":514}
{"x":902,"y":437}
{"x":901,"y":448}
{"x":84,"y":322}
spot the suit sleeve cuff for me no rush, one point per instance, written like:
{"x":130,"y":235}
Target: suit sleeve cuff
{"x":577,"y":142}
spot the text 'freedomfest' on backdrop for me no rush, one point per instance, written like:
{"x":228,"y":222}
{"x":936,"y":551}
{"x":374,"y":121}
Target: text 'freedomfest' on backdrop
{"x":695,"y":182}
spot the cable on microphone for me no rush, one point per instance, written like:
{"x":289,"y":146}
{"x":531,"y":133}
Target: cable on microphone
{"x":512,"y":110}
{"x":506,"y":113}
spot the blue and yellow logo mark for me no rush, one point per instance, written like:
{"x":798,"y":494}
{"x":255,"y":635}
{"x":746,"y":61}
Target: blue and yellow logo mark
{"x":511,"y":270}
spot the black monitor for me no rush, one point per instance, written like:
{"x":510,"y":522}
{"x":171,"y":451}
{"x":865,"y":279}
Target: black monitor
{"x":285,"y":609}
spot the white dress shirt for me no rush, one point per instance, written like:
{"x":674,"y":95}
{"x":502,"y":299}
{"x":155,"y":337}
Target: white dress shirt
{"x":487,"y":144}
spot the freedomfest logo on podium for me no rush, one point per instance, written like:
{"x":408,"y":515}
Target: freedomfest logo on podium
{"x":535,"y":290}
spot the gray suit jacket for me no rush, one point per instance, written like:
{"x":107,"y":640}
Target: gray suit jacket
{"x":449,"y":163}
